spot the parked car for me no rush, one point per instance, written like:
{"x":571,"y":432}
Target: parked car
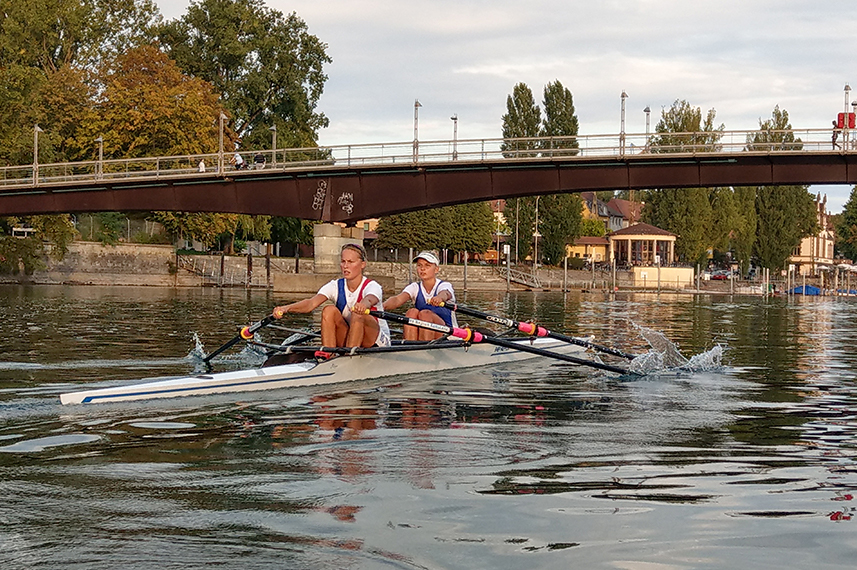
{"x":720,"y":274}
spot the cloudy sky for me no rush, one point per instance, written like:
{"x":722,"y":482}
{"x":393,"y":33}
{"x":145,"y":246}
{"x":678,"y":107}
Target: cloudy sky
{"x":463,"y":57}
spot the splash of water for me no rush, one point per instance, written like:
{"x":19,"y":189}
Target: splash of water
{"x":665,"y":355}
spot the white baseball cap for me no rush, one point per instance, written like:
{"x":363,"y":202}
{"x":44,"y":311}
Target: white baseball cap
{"x":428,"y":256}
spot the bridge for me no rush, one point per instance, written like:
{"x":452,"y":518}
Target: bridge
{"x":348,"y":183}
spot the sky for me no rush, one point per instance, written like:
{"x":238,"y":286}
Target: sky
{"x":463,"y":57}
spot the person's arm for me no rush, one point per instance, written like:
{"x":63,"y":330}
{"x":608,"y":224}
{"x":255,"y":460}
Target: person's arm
{"x":444,"y":295}
{"x":304,"y":306}
{"x":366,"y":303}
{"x":396,"y":301}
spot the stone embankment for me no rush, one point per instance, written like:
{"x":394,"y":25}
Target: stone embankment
{"x":91,"y":263}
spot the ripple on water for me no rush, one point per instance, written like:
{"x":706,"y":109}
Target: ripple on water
{"x":43,"y":443}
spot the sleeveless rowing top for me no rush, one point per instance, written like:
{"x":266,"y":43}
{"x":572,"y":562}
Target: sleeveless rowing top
{"x":421,"y":303}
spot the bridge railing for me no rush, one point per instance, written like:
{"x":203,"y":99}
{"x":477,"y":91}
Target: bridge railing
{"x":623,"y":146}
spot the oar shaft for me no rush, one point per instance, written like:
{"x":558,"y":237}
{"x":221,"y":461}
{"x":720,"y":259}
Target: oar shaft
{"x":473,"y":336}
{"x":535,"y":330}
{"x":245,"y":333}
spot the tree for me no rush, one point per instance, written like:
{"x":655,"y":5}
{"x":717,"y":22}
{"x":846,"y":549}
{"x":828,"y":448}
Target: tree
{"x":786,"y":215}
{"x":846,"y":228}
{"x":686,"y":212}
{"x":560,"y":120}
{"x":559,"y":224}
{"x":522,"y":120}
{"x":744,"y":233}
{"x":520,"y":214}
{"x":268,"y":67}
{"x":54,"y":34}
{"x":593,"y":228}
{"x":681,"y":129}
{"x":465,"y":227}
{"x":150,"y":108}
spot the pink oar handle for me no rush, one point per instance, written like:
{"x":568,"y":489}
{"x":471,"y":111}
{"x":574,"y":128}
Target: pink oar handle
{"x":532,"y":329}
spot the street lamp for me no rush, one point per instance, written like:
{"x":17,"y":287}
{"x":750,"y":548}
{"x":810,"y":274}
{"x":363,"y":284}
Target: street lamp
{"x":648,"y":112}
{"x":36,"y":130}
{"x":845,"y":123}
{"x":417,"y":106}
{"x":622,"y":126}
{"x":454,"y":136}
{"x":273,"y":129}
{"x":220,"y":164}
{"x":99,"y":171}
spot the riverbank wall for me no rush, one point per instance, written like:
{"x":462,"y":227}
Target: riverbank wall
{"x":137,"y":265}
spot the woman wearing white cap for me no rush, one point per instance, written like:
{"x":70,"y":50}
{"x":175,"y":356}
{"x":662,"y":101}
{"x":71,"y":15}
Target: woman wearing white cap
{"x":427,"y":294}
{"x":339,"y":325}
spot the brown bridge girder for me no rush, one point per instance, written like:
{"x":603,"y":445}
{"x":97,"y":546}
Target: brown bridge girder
{"x":349,"y":194}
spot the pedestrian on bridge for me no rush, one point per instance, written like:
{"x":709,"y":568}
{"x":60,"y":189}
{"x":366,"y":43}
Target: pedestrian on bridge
{"x":835,"y":136}
{"x":237,"y":161}
{"x":259,"y":161}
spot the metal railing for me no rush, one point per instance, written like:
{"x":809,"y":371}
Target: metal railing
{"x":625,"y":146}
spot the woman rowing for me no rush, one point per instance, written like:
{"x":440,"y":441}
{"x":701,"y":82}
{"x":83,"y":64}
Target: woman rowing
{"x":428,"y":295}
{"x":343,"y":323}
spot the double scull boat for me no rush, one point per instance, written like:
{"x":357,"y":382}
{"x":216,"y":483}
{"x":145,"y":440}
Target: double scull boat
{"x":350,"y":365}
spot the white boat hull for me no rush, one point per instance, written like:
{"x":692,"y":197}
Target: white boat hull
{"x":336,"y":370}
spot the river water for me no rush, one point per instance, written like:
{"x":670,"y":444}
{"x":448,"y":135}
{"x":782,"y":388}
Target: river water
{"x":541,"y":465}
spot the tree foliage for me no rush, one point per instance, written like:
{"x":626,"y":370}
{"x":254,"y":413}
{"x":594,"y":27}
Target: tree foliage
{"x":464,"y":227}
{"x":559,"y":224}
{"x":268,"y":67}
{"x":522,"y":120}
{"x":786,"y":215}
{"x":560,"y":120}
{"x":686,"y":212}
{"x":846,"y":228}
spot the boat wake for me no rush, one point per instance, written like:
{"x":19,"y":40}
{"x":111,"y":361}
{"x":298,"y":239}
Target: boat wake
{"x":664,"y":356}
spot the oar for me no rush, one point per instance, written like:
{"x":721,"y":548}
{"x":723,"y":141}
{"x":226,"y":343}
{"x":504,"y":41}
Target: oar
{"x":535,"y":330}
{"x":469,"y":335}
{"x":245,"y":333}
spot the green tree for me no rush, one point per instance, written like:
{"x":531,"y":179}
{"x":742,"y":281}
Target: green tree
{"x":786,"y":215}
{"x":686,"y":212}
{"x":471,"y":227}
{"x":846,"y":228}
{"x":268,"y":67}
{"x":521,"y":120}
{"x":682,"y":129}
{"x":743,"y":236}
{"x":593,"y":228}
{"x":559,"y":224}
{"x":520,"y":214}
{"x":559,"y":120}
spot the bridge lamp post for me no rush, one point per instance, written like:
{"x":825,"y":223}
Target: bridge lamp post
{"x":417,"y":106}
{"x":273,"y":130}
{"x":536,"y":236}
{"x":622,"y":126}
{"x":36,"y":130}
{"x":99,"y":170}
{"x":220,"y":147}
{"x":648,"y":113}
{"x":454,"y":136}
{"x":854,"y":110}
{"x":845,"y":116}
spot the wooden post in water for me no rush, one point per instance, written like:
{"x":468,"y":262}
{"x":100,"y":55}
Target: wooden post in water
{"x":565,"y":274}
{"x":222,"y":268}
{"x":268,"y":265}
{"x":249,"y":269}
{"x":465,"y":270}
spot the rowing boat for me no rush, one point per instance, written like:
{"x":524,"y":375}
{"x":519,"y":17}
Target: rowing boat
{"x":358,"y":364}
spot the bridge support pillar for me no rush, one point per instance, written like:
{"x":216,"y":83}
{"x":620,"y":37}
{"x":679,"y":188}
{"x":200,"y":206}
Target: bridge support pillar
{"x":328,"y":240}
